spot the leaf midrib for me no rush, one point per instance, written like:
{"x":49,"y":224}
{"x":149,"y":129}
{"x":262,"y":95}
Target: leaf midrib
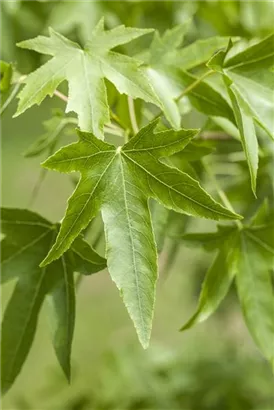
{"x":132,"y":244}
{"x":249,"y":62}
{"x":25,"y":247}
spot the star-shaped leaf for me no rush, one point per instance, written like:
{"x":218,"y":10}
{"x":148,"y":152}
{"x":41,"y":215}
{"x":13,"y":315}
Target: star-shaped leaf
{"x":246,"y":254}
{"x":249,"y":81}
{"x":28,"y":238}
{"x":119,"y":181}
{"x":166,"y":65}
{"x":85,"y":70}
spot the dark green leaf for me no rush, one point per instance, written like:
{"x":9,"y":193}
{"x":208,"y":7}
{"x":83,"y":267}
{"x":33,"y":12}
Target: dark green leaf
{"x":217,"y":282}
{"x":119,"y":182}
{"x":28,"y":237}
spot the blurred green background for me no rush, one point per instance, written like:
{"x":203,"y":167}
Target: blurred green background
{"x":213,"y":366}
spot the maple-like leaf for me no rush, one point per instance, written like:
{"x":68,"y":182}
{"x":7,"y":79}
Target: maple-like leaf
{"x":166,"y":65}
{"x":28,"y":237}
{"x":247,"y":255}
{"x":119,"y":181}
{"x":85,"y":70}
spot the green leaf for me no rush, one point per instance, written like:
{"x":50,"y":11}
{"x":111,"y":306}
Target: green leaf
{"x":85,"y":70}
{"x":247,"y":254}
{"x":195,"y":150}
{"x":119,"y":182}
{"x":28,"y":238}
{"x":204,"y":97}
{"x":257,"y":56}
{"x":208,"y":240}
{"x":165,"y":70}
{"x":166,"y":52}
{"x":249,"y":80}
{"x":198,"y":52}
{"x":80,"y":15}
{"x":250,"y":72}
{"x":244,"y":119}
{"x":217,"y":282}
{"x":159,"y":216}
{"x":6,"y":76}
{"x":62,"y":315}
{"x":255,"y":288}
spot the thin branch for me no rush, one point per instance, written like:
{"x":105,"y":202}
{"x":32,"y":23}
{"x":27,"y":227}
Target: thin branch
{"x":132,"y":115}
{"x":110,"y":128}
{"x":60,"y":95}
{"x":194,"y":84}
{"x":10,"y":98}
{"x":188,"y":89}
{"x":13,"y":93}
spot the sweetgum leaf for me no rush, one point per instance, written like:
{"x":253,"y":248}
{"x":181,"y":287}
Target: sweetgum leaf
{"x":28,"y":238}
{"x":167,"y":73}
{"x":119,"y":182}
{"x":85,"y":70}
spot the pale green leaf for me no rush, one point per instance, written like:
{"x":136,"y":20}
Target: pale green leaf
{"x":79,"y":15}
{"x":258,"y":56}
{"x":85,"y":70}
{"x":165,"y":70}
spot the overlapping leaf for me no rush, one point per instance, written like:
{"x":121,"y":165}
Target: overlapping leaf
{"x":250,"y":83}
{"x":28,"y":238}
{"x":166,"y":65}
{"x":119,"y":181}
{"x":80,"y":15}
{"x":248,"y":255}
{"x":85,"y":70}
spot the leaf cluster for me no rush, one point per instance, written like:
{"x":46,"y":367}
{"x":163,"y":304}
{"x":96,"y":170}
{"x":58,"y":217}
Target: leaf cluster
{"x":141,"y":162}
